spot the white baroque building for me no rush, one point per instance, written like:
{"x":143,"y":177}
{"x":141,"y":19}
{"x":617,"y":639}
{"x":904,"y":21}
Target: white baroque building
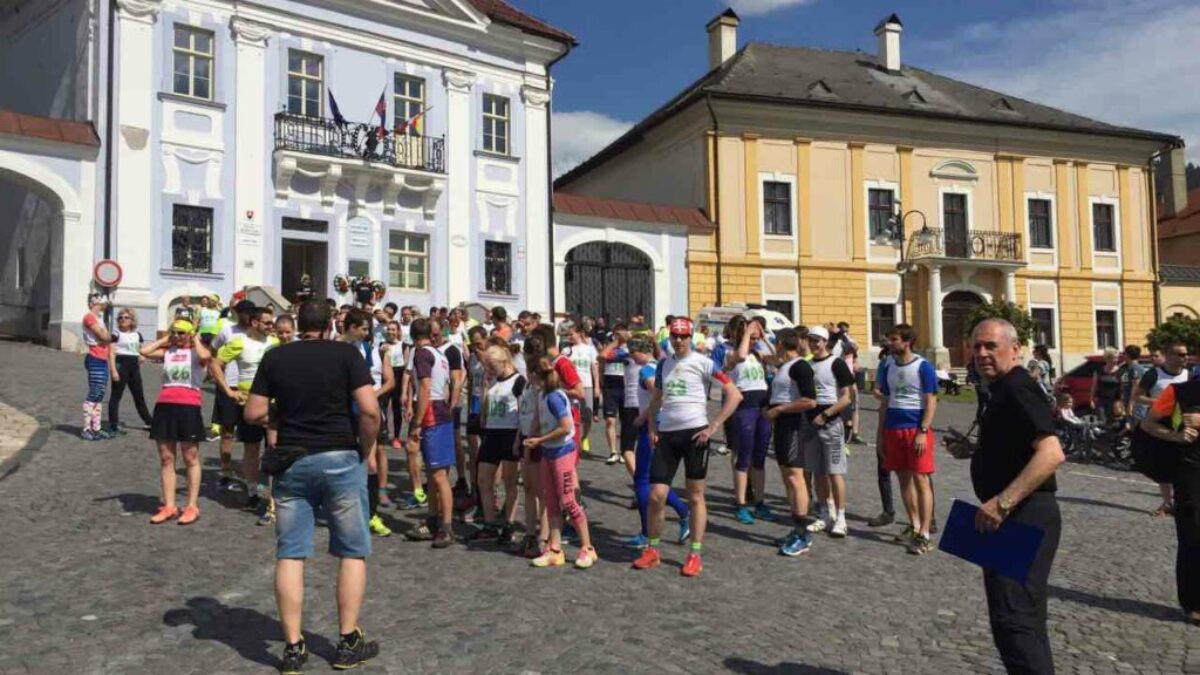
{"x":209,"y":145}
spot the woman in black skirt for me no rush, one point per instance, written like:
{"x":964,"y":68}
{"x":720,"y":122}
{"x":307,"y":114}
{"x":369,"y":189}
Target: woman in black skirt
{"x":178,"y":424}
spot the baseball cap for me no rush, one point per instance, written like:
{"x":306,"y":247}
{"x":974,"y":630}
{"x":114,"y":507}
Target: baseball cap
{"x":244,"y":307}
{"x":681,"y":326}
{"x":818,"y":331}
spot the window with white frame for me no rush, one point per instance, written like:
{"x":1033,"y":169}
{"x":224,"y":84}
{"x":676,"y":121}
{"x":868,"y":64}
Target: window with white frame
{"x":192,"y":52}
{"x":495,"y":124}
{"x":1041,"y":224}
{"x":497,"y":267}
{"x":777,"y":208}
{"x":408,"y":261}
{"x":1104,"y":231}
{"x":408,"y":102}
{"x":1106,"y":329}
{"x":306,"y":83}
{"x":1043,"y":326}
{"x":883,"y":319}
{"x":880,"y":209}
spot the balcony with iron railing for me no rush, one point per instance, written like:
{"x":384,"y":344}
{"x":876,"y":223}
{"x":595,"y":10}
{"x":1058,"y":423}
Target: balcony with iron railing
{"x":353,"y":140}
{"x":974,"y":245}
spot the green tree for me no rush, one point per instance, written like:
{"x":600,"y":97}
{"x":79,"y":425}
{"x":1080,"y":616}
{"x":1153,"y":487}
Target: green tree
{"x":1011,"y":312}
{"x":1176,"y":329}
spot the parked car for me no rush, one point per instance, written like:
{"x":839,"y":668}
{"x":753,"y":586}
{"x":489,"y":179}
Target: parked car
{"x":716,"y":318}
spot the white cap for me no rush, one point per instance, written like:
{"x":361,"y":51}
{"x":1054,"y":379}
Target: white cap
{"x":818,"y":331}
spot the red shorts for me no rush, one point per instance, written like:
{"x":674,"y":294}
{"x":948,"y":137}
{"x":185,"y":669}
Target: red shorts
{"x":898,"y":452}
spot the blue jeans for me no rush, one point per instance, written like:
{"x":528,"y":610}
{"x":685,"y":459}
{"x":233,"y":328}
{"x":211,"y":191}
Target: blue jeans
{"x":334,"y":481}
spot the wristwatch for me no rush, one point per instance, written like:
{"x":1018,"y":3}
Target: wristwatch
{"x":1005,"y":505}
{"x":923,"y":428}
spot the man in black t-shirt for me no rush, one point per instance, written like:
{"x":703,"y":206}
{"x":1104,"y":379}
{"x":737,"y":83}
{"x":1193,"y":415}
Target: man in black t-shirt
{"x":314,"y":382}
{"x":1013,"y":475}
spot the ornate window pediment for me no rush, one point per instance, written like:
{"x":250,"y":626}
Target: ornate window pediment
{"x":956,"y":169}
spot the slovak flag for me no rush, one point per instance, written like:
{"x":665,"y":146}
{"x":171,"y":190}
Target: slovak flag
{"x":381,"y":110}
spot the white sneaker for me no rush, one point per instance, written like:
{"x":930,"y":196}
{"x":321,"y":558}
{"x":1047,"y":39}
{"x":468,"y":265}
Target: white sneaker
{"x":817,"y":525}
{"x":612,"y":459}
{"x":839,"y":528}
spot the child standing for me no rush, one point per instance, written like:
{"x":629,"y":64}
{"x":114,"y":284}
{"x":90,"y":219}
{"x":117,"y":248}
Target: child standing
{"x":556,"y":424}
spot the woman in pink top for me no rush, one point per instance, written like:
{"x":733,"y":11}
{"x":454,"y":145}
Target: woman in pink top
{"x":178,"y":424}
{"x":96,"y":337}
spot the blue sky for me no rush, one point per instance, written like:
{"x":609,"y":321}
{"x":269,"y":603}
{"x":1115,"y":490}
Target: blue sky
{"x":1131,"y":62}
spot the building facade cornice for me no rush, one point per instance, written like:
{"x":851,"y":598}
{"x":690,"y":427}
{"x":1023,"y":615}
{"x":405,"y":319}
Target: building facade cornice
{"x":458,"y":80}
{"x":535,"y":98}
{"x":246,"y":32}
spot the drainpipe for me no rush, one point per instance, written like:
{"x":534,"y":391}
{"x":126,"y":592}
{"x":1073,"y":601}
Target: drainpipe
{"x":716,"y":187}
{"x":550,"y":170}
{"x":1154,"y":240}
{"x":108,"y":128}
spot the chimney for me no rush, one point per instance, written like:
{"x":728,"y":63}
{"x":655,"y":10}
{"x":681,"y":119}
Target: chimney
{"x":1175,"y":187}
{"x":888,"y":32}
{"x":722,"y":37}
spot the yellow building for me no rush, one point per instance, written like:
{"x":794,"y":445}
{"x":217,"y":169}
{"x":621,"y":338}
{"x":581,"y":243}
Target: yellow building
{"x":810,"y":162}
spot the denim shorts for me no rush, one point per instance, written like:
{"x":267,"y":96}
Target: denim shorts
{"x":334,"y":482}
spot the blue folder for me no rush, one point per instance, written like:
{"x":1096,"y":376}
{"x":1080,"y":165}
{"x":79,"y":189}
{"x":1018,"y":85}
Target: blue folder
{"x":1009,"y":551}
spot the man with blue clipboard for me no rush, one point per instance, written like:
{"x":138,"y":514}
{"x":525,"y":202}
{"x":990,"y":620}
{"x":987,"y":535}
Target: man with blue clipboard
{"x":1013,"y":476}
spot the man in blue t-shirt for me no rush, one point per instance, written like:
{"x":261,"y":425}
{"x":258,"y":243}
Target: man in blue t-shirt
{"x":909,"y":385}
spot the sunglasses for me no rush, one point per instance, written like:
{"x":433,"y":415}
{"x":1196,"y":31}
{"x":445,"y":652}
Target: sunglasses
{"x":176,"y":333}
{"x":1182,"y":355}
{"x":125,"y":317}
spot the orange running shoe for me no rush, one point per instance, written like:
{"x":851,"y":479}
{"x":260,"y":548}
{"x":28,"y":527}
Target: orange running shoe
{"x":190,"y":515}
{"x":397,"y":444}
{"x":649,"y":558}
{"x":692,"y":565}
{"x":163,"y":514}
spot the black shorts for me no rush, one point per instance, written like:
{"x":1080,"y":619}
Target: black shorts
{"x":499,"y":445}
{"x":251,"y":433}
{"x":629,"y":430}
{"x":473,"y":427}
{"x":532,"y":455}
{"x":614,"y":401}
{"x":456,"y":415}
{"x":674,"y":447}
{"x":225,"y":412}
{"x":175,"y":422}
{"x":788,"y":436}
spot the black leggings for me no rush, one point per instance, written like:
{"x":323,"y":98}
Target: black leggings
{"x":1187,"y":530}
{"x":392,"y":407}
{"x":130,"y":373}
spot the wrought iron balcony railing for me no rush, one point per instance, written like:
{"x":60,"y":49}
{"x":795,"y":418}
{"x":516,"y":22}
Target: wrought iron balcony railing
{"x":971,"y":245}
{"x":353,"y":140}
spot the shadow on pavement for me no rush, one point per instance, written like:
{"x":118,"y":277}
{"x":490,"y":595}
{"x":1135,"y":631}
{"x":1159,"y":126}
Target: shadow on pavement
{"x":133,"y":502}
{"x":1149,"y":610}
{"x":749,"y":667}
{"x":71,"y":429}
{"x":247,"y":631}
{"x":1096,"y":502}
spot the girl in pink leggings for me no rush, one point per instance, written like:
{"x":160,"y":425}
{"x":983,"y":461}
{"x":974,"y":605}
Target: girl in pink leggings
{"x":554,"y":422}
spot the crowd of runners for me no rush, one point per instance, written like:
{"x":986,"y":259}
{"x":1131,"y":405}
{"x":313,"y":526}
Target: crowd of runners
{"x":489,"y":415}
{"x":491,"y":418}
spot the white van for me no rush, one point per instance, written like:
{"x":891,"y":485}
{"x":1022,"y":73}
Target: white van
{"x":716,"y":318}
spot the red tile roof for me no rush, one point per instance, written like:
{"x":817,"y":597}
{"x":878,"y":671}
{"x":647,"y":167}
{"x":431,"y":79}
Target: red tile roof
{"x":1185,"y":222}
{"x":580,"y":205}
{"x":48,"y":128}
{"x":502,"y":12}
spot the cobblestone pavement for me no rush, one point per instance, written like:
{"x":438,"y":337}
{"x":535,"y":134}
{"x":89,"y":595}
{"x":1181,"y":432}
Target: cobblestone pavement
{"x":87,"y":586}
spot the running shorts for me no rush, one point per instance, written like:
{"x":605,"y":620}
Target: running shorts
{"x":675,"y":447}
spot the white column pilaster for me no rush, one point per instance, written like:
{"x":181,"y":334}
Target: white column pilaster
{"x":935,"y":308}
{"x":134,"y":217}
{"x":251,"y":129}
{"x":537,"y":201}
{"x":459,"y":141}
{"x":1010,"y":286}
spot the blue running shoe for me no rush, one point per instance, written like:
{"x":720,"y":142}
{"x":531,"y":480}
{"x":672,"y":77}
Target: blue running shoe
{"x":762,"y":511}
{"x":638,"y":541}
{"x":685,"y":529}
{"x":796,"y":545}
{"x":744,"y":516}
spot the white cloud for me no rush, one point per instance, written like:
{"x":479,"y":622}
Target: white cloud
{"x":760,"y":7}
{"x":580,"y":134}
{"x":1128,"y":62}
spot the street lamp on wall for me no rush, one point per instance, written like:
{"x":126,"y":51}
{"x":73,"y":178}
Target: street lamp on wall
{"x":895,"y":234}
